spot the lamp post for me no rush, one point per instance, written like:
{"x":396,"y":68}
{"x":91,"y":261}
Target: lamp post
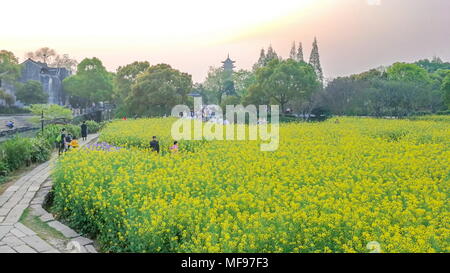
{"x":42,"y":121}
{"x":196,"y":94}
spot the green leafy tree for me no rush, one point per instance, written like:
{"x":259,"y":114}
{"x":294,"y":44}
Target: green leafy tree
{"x":51,"y":112}
{"x":373,"y":93}
{"x":91,"y":84}
{"x":243,"y":79}
{"x":345,"y":96}
{"x":373,"y":74}
{"x":434,"y":65}
{"x":446,"y":90}
{"x":200,"y":89}
{"x":401,"y":89}
{"x":9,"y":72}
{"x":31,"y":92}
{"x":230,"y":100}
{"x":9,"y":67}
{"x":229,"y":89}
{"x":125,"y":77}
{"x":214,"y":84}
{"x":396,"y":98}
{"x":7,"y":98}
{"x":283,"y":82}
{"x":408,"y":73}
{"x":157,"y":90}
{"x":438,"y":77}
{"x":421,"y":94}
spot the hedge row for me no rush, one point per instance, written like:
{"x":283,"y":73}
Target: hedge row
{"x":19,"y":152}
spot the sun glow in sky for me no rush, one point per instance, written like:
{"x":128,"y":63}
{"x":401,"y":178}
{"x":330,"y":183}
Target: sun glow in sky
{"x":158,"y":22}
{"x":151,"y":20}
{"x":193,"y":35}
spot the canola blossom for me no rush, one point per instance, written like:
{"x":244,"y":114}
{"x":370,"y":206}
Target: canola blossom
{"x":139,"y":133}
{"x":344,"y":187}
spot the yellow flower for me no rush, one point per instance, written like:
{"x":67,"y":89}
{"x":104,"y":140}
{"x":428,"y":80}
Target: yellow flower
{"x":328,"y":188}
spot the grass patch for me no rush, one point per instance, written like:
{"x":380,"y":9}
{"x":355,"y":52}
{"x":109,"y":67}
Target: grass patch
{"x":41,"y":228}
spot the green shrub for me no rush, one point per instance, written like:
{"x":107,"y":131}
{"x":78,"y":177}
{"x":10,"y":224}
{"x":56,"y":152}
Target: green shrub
{"x":20,"y":152}
{"x":41,"y":150}
{"x":3,"y":168}
{"x":50,"y":133}
{"x":74,"y":130}
{"x":93,"y":126}
{"x":16,"y":152}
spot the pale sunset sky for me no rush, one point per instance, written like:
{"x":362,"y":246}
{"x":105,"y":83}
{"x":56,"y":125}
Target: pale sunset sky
{"x":191,"y":35}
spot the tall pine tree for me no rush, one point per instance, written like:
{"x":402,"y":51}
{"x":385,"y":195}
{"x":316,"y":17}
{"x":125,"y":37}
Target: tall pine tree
{"x":314,"y":60}
{"x":293,"y":53}
{"x":299,"y":57}
{"x":271,"y":54}
{"x":261,"y":61}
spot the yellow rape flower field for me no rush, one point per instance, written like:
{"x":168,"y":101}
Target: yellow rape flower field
{"x":328,"y":188}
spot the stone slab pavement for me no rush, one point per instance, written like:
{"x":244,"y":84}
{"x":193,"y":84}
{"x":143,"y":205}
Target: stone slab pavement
{"x":30,"y":191}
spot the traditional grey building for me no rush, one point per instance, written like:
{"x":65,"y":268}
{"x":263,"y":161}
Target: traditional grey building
{"x":50,"y":77}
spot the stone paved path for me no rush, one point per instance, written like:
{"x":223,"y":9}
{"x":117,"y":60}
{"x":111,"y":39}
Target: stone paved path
{"x":30,"y":191}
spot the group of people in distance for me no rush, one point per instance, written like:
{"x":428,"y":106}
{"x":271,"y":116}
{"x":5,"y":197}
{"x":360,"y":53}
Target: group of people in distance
{"x":154,"y":146}
{"x":66,"y":141}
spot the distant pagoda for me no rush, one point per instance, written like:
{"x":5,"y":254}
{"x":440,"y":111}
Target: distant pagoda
{"x":228,"y":64}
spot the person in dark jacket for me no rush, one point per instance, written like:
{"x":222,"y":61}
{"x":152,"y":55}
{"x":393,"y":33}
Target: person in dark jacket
{"x":68,"y":140}
{"x":62,"y":141}
{"x":84,"y":130}
{"x":154,"y":144}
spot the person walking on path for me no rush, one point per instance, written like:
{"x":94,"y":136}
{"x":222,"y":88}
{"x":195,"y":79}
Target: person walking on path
{"x":154,"y":144}
{"x":61,"y":141}
{"x":84,"y":130}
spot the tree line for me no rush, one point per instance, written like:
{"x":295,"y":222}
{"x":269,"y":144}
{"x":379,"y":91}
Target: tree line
{"x":142,"y":89}
{"x":400,"y":90}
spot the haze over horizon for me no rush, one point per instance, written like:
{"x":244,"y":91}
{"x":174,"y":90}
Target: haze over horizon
{"x":353,"y":35}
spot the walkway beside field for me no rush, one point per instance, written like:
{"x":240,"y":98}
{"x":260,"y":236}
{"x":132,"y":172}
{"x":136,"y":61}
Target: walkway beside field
{"x":30,"y":191}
